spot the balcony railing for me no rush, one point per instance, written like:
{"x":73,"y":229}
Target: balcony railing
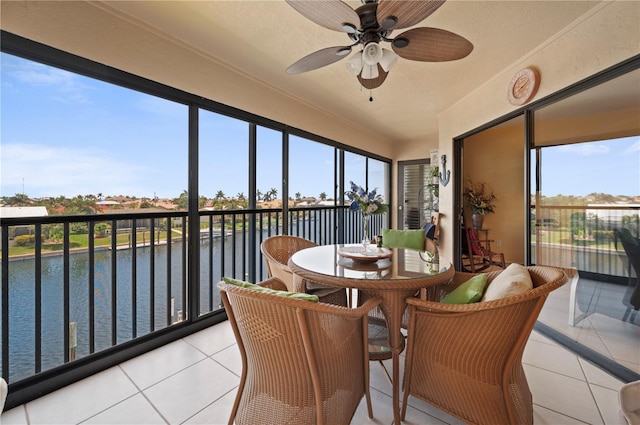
{"x":583,"y":237}
{"x":74,"y":287}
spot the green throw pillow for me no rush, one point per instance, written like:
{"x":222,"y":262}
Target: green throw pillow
{"x":249,"y":285}
{"x":412,"y":239}
{"x":469,"y":292}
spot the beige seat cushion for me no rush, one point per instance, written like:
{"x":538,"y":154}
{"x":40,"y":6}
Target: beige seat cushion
{"x":514,"y":280}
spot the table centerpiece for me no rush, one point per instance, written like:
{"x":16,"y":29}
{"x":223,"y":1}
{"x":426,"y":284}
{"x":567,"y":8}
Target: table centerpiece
{"x":368,"y":203}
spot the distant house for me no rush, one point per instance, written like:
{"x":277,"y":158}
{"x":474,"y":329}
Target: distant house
{"x":22,"y":212}
{"x":105,"y":206}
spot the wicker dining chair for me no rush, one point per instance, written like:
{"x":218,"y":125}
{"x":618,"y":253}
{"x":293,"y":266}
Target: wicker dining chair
{"x":302,"y":362}
{"x":466,"y":359}
{"x":278,"y":249}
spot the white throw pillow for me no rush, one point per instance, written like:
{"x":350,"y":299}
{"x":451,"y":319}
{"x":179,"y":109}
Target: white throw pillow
{"x":513,"y":280}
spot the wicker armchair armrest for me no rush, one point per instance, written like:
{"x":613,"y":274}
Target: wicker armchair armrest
{"x":545,"y":280}
{"x":273,"y":283}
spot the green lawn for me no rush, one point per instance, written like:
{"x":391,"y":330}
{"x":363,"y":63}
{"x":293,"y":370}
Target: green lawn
{"x":81,"y":241}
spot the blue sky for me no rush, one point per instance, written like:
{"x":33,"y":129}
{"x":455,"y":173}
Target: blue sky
{"x":64,"y":134}
{"x":583,"y":168}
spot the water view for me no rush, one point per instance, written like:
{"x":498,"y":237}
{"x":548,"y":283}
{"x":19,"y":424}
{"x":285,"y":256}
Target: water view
{"x":167,"y":306}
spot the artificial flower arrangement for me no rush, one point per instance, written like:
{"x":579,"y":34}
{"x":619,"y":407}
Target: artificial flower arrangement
{"x":368,"y":203}
{"x":479,"y":197}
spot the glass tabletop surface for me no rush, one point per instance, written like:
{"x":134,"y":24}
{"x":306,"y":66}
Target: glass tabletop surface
{"x":352,"y":261}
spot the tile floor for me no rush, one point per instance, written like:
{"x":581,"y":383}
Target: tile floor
{"x":194,"y":381}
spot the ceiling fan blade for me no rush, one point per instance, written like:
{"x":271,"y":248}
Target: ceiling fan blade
{"x":396,"y":14}
{"x":332,"y":14}
{"x":373,"y":83}
{"x":431,"y":45}
{"x":319,"y":59}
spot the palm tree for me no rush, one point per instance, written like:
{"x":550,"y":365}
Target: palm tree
{"x":298,"y":196}
{"x":182,"y":202}
{"x":323,"y":196}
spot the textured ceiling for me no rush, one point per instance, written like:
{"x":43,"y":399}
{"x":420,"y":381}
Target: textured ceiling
{"x":262,"y":38}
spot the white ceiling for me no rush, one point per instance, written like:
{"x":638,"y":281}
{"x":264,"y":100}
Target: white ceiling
{"x":262,"y":38}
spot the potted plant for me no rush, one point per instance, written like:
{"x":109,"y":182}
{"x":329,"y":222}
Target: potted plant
{"x":479,"y":197}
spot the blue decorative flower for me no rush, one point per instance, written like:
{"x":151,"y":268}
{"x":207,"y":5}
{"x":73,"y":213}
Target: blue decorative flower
{"x":368,"y":203}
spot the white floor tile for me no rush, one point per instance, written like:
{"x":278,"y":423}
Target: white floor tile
{"x":625,"y":351}
{"x":230,"y":358}
{"x":552,"y":358}
{"x":81,"y":400}
{"x":597,"y":376}
{"x":15,"y":416}
{"x":562,"y":394}
{"x":382,"y":413}
{"x":216,"y":413}
{"x":419,"y":407}
{"x":184,"y":394}
{"x":213,"y":339}
{"x":544,"y":416}
{"x":607,"y":401}
{"x":134,"y":410}
{"x":161,"y":363}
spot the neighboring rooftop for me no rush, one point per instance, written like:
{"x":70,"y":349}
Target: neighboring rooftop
{"x":22,"y":212}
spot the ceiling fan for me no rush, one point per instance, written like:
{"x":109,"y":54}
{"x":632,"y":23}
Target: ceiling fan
{"x":371,"y":24}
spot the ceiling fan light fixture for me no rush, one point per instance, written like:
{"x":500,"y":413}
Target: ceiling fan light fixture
{"x":354,"y":64}
{"x":388,"y":59}
{"x":349,"y":28}
{"x":369,"y":72}
{"x":372,"y":53}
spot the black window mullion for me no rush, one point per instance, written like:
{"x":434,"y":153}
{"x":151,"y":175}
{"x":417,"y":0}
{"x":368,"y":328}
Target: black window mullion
{"x":134,"y":280}
{"x":114,"y":282}
{"x":38,"y":298}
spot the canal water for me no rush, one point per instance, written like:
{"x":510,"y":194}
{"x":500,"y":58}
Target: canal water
{"x":167,"y":308}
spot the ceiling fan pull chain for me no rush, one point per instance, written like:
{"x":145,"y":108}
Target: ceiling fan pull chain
{"x":370,"y":96}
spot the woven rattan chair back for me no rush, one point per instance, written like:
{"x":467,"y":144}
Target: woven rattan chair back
{"x":466,"y":359}
{"x":278,"y":249}
{"x":302,"y":362}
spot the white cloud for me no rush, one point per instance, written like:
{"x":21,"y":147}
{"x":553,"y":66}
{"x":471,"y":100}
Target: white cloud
{"x":68,"y":86}
{"x":55,"y":171}
{"x":586,"y":149}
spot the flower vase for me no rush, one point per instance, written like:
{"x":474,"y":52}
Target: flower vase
{"x":365,"y":231}
{"x":477,"y":220}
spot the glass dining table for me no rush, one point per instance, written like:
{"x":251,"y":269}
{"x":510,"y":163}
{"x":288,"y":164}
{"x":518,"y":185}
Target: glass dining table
{"x":392,"y":274}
